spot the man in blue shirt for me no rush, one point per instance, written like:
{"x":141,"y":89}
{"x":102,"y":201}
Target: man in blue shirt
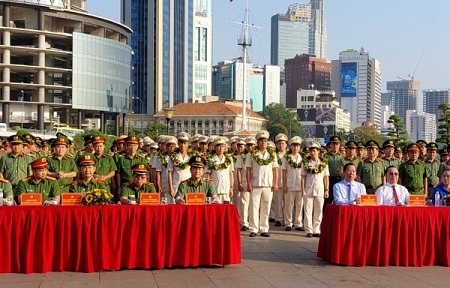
{"x":348,"y":190}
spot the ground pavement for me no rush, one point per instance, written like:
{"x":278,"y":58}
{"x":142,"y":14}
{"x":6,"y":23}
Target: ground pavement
{"x":286,"y":259}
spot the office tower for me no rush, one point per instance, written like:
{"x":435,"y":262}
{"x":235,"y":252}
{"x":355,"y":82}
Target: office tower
{"x":432,"y":98}
{"x":262,"y":83}
{"x":356,"y":79}
{"x":305,"y":72}
{"x":421,"y":125}
{"x":171,"y":42}
{"x":386,"y":99}
{"x":302,"y":30}
{"x":403,"y":96}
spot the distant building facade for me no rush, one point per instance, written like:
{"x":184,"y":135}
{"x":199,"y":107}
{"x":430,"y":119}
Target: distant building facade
{"x":421,"y":126}
{"x":432,"y":98}
{"x":403,"y":94}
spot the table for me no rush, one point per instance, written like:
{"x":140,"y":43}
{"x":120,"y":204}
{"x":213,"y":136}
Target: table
{"x":385,"y":235}
{"x":112,"y":237}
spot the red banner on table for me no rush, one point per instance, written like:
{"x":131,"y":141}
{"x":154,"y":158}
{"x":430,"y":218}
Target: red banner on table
{"x":31,"y":199}
{"x":416,"y":200}
{"x":369,"y":200}
{"x":195,"y":198}
{"x":150,"y":199}
{"x":71,"y":198}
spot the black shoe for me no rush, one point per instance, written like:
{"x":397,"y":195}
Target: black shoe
{"x":299,"y":228}
{"x":277,"y":223}
{"x":288,"y":228}
{"x":253,"y":234}
{"x":309,"y":235}
{"x":265,"y":234}
{"x":316,"y":235}
{"x":271,"y":220}
{"x":244,"y":228}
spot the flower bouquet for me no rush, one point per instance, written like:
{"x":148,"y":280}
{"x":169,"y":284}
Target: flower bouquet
{"x":98,"y":197}
{"x":446,"y":200}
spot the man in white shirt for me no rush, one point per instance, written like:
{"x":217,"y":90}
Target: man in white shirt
{"x":348,"y":190}
{"x":392,"y":193}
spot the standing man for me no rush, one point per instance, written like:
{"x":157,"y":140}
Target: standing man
{"x":361,"y":151}
{"x":334,"y":158}
{"x":413,"y":173}
{"x":61,"y":165}
{"x":276,"y":209}
{"x":291,"y":174}
{"x":392,"y":193}
{"x":106,"y":166}
{"x":178,"y":165}
{"x":348,"y":190}
{"x":370,"y":171}
{"x":389,"y":158}
{"x":422,"y":149}
{"x":244,"y":194}
{"x":350,"y":157}
{"x":432,"y":166}
{"x":315,"y":187}
{"x":126,"y":161}
{"x":262,"y":181}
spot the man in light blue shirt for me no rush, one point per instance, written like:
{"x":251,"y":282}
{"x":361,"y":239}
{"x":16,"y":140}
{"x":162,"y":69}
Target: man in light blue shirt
{"x":348,"y":190}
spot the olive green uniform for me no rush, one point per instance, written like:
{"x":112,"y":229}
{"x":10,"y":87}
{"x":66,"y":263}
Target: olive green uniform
{"x":6,"y":187}
{"x":334,"y":166}
{"x":48,"y":187}
{"x":355,"y":161}
{"x":412,"y":175}
{"x":442,"y":168}
{"x":432,"y":171}
{"x":132,"y":193}
{"x":391,"y":162}
{"x":205,"y":186}
{"x":124,"y":165}
{"x":371,"y":174}
{"x":79,"y":186}
{"x":15,"y":168}
{"x":105,"y":164}
{"x":66,"y":165}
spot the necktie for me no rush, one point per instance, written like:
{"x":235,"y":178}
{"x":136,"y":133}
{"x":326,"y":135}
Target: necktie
{"x":349,"y":192}
{"x":395,"y":194}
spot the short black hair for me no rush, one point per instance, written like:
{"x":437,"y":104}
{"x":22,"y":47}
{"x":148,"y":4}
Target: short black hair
{"x":347,"y":165}
{"x":389,"y":167}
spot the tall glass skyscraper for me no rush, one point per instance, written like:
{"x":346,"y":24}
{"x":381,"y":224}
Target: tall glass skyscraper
{"x":171,"y":44}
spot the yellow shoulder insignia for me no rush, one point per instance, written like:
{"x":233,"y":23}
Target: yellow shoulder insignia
{"x":149,"y":184}
{"x":141,"y":155}
{"x":50,"y":178}
{"x":74,"y":182}
{"x":109,"y":153}
{"x":99,"y":180}
{"x":31,"y":155}
{"x":184,"y":181}
{"x":26,"y":179}
{"x":208,"y":180}
{"x":4,"y":180}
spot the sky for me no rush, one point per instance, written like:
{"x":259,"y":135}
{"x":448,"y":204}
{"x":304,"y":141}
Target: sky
{"x":396,"y":32}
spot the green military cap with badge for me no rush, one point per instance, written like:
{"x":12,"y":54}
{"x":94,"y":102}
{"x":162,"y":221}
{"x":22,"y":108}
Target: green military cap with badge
{"x":351,"y":144}
{"x":39,"y":163}
{"x":132,"y":140}
{"x":86,"y":159}
{"x":140,"y":168}
{"x":361,"y":145}
{"x":61,"y":140}
{"x":389,"y":143}
{"x":432,"y":146}
{"x":335,"y":139}
{"x":197,"y":161}
{"x":372,"y":144}
{"x":15,"y":139}
{"x":413,"y":147}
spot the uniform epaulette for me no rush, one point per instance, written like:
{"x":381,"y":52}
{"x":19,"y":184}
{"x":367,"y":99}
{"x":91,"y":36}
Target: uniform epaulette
{"x":26,"y":179}
{"x":74,"y":182}
{"x":29,"y":154}
{"x":127,"y":183}
{"x":4,"y":180}
{"x":141,"y":155}
{"x":149,"y":184}
{"x":69,"y":155}
{"x":208,"y":180}
{"x":99,"y":180}
{"x":109,"y":153}
{"x":183,"y":181}
{"x":50,"y":178}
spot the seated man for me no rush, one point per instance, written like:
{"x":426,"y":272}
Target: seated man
{"x":196,"y":184}
{"x":348,"y":190}
{"x":6,"y":189}
{"x":87,"y":166}
{"x":131,"y":191}
{"x":392,"y":193}
{"x":39,"y":182}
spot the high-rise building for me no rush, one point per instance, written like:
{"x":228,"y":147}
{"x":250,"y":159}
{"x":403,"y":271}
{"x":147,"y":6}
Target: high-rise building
{"x":262,"y":83}
{"x":432,"y":98}
{"x":356,"y":79}
{"x":403,"y":95}
{"x":421,"y":126}
{"x":302,"y":30}
{"x":305,"y":72}
{"x":171,"y":42}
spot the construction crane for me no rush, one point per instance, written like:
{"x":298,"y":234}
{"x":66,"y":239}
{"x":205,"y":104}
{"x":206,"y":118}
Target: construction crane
{"x":411,"y":76}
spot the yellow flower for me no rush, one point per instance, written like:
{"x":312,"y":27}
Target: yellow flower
{"x":176,"y":162}
{"x":107,"y":196}
{"x":89,"y":198}
{"x":261,"y":162}
{"x":98,"y":194}
{"x":216,"y":167}
{"x":316,"y":170}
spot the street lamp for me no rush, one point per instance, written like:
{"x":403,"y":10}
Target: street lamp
{"x":168,"y":113}
{"x":142,"y":114}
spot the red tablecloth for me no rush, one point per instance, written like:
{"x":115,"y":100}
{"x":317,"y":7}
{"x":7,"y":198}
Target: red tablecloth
{"x":385,"y":235}
{"x":111,"y":237}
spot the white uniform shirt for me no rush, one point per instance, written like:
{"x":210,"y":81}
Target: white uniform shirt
{"x":314,"y":182}
{"x":261,"y":175}
{"x":385,"y":194}
{"x":293,"y":177}
{"x":221,"y":178}
{"x":280,"y":178}
{"x":240,"y":164}
{"x":178,"y":174}
{"x":163,"y":169}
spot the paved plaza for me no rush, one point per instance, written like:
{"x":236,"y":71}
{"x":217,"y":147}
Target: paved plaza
{"x":286,"y":259}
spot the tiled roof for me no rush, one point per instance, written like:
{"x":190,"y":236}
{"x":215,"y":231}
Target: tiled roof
{"x":210,"y":108}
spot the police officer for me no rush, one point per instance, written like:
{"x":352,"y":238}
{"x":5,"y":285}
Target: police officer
{"x":422,"y":149}
{"x":413,"y":174}
{"x":87,"y":167}
{"x":389,"y":158}
{"x":370,"y":171}
{"x":361,"y":151}
{"x":40,"y":182}
{"x":196,"y":183}
{"x":432,"y":164}
{"x":61,"y":165}
{"x":105,"y":165}
{"x":349,"y":157}
{"x":127,"y":160}
{"x":334,"y":164}
{"x":131,"y":191}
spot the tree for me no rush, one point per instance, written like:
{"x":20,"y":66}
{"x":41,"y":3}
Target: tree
{"x":444,"y":124}
{"x":366,"y":133}
{"x":398,"y":131}
{"x":282,"y":120}
{"x":78,"y":140}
